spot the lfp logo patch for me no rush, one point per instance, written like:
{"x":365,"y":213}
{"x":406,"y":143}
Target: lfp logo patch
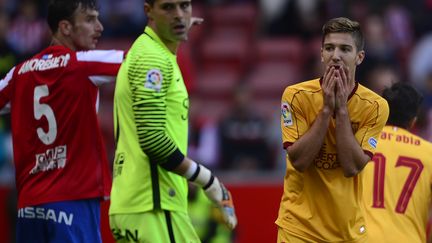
{"x":286,"y":114}
{"x":154,"y":80}
{"x":47,"y":56}
{"x":372,"y":142}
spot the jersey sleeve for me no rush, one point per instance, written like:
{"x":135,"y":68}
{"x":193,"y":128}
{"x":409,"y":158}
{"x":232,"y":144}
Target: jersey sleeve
{"x":5,"y":92}
{"x":368,"y":134}
{"x":102,"y":65}
{"x":150,"y":76}
{"x":293,"y":122}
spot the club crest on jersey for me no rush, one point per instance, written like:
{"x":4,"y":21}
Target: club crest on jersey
{"x":286,"y":114}
{"x":154,"y":80}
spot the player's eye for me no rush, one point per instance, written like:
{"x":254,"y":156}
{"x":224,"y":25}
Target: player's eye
{"x":168,"y":6}
{"x":329,"y":48}
{"x":345,"y":49}
{"x":185,"y":5}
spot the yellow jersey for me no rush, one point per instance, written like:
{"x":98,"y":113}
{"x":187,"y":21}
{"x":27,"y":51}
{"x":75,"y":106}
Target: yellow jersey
{"x":397,"y":187}
{"x":321,"y":204}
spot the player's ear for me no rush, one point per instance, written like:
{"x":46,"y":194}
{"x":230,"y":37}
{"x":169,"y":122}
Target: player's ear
{"x":322,"y":58}
{"x":360,"y":57}
{"x":65,"y":27}
{"x":412,"y":122}
{"x":147,"y":10}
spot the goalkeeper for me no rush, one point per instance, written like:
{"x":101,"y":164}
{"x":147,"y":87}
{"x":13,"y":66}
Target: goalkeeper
{"x":151,"y":169}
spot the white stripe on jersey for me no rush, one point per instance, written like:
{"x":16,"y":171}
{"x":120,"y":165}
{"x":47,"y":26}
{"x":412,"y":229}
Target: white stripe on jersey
{"x":97,"y":102}
{"x":110,"y":56}
{"x":99,"y":80}
{"x":4,"y":82}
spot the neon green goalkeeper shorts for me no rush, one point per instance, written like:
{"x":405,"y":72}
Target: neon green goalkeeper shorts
{"x":159,"y":226}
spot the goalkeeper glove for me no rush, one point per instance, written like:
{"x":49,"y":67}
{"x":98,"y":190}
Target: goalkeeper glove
{"x":214,"y":190}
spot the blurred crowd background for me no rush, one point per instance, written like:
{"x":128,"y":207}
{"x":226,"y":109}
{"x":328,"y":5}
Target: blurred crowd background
{"x":237,"y":64}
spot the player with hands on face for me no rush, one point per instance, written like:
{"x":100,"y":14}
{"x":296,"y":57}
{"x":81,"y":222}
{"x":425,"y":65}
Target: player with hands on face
{"x":61,"y":168}
{"x":330,"y":126}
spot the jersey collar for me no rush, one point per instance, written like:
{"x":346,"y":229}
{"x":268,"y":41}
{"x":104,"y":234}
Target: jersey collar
{"x":150,"y":32}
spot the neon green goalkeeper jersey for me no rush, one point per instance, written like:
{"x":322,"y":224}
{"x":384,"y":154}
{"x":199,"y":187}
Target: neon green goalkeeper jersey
{"x":151,"y":126}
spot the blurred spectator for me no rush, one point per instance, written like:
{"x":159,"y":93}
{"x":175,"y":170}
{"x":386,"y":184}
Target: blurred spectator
{"x":28,"y":32}
{"x":423,"y":127}
{"x":8,"y":5}
{"x":401,"y":33}
{"x":381,"y":77}
{"x":206,"y":218}
{"x":291,"y":17}
{"x":6,"y":163}
{"x":123,"y":18}
{"x":243,"y":136}
{"x":398,"y":20}
{"x":420,"y":67}
{"x":7,"y":61}
{"x":7,"y":56}
{"x":219,"y":2}
{"x":357,"y":9}
{"x":203,"y":141}
{"x":378,"y":46}
{"x":420,"y":71}
{"x":421,"y":15}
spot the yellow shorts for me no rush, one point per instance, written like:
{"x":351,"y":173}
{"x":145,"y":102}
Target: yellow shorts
{"x":160,"y":226}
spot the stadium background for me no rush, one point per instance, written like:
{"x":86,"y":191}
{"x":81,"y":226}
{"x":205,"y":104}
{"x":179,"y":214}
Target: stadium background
{"x":263,"y":45}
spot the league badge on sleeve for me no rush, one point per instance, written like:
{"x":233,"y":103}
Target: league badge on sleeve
{"x":154,"y":80}
{"x":372,"y":142}
{"x":286,"y":114}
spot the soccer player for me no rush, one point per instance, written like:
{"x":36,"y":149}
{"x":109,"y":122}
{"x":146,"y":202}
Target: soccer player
{"x":330,"y":126}
{"x":61,"y":167}
{"x":397,"y":182}
{"x":149,"y":192}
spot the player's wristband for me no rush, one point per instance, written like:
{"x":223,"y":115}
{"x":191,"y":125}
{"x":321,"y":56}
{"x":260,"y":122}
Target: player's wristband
{"x":203,"y":177}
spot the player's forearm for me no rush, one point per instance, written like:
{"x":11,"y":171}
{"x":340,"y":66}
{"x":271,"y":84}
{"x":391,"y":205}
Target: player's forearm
{"x":350,"y":155}
{"x":304,"y":151}
{"x":197,"y":174}
{"x":213,"y":188}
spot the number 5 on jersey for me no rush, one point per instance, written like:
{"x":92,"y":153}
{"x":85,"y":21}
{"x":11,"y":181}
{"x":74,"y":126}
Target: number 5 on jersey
{"x":41,"y":110}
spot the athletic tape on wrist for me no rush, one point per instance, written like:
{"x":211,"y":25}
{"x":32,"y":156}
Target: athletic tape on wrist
{"x":190,"y":172}
{"x":204,"y":178}
{"x":214,"y":190}
{"x":201,"y":176}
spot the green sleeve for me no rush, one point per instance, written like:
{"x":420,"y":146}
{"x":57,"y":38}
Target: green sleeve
{"x":149,"y":108}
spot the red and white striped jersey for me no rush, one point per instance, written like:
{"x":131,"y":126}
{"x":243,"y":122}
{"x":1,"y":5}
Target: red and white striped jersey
{"x":59,"y":153}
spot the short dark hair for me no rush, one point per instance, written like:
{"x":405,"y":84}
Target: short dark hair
{"x":151,"y":2}
{"x":344,"y":25}
{"x":59,"y":10}
{"x":404,"y":103}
